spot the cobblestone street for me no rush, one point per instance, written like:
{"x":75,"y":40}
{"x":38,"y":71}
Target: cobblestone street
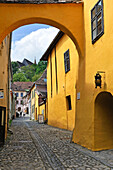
{"x":35,"y":146}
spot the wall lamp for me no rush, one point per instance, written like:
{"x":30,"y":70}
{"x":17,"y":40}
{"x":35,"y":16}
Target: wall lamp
{"x":98,"y":81}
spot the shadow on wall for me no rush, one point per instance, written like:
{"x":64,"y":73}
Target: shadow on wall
{"x":103,"y":122}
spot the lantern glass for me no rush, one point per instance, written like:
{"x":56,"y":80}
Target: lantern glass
{"x":98,"y":80}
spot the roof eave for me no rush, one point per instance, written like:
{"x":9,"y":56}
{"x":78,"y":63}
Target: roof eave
{"x":51,"y":46}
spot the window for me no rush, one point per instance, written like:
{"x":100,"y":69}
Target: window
{"x":16,"y":94}
{"x":17,"y":102}
{"x":67,"y":61}
{"x":68,"y":102}
{"x":97,"y":22}
{"x":21,"y":101}
{"x":21,"y":94}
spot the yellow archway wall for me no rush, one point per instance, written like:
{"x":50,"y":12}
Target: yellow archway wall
{"x":68,"y":17}
{"x":103,"y":121}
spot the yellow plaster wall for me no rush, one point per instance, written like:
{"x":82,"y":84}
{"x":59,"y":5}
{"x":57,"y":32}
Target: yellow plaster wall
{"x":42,"y":107}
{"x":66,"y":16}
{"x":36,"y":106}
{"x":98,"y":57}
{"x":4,"y":54}
{"x":32,"y":102}
{"x":58,"y":115}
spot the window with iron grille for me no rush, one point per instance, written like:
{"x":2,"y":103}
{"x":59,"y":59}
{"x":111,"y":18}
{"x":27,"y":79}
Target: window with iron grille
{"x":67,"y":61}
{"x":97,"y":21}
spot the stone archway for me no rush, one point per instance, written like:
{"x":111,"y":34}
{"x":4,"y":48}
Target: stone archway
{"x":103,"y":121}
{"x":68,"y":17}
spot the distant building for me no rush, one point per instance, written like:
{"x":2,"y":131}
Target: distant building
{"x":41,"y":97}
{"x":26,"y":105}
{"x":38,"y":97}
{"x":21,"y":89}
{"x":24,"y":63}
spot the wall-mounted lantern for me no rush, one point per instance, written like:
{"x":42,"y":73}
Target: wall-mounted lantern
{"x":98,"y":80}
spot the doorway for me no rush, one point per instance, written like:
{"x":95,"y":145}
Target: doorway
{"x":2,"y":124}
{"x":103,"y":122}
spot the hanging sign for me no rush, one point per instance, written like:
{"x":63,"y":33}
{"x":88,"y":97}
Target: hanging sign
{"x":78,"y":96}
{"x":41,"y":118}
{"x":1,"y":94}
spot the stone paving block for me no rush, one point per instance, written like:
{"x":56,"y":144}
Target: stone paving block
{"x":41,"y":147}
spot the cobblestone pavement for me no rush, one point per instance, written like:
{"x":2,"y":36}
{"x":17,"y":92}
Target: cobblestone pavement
{"x":41,"y":147}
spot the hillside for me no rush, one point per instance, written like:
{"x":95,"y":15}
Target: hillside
{"x":28,"y":73}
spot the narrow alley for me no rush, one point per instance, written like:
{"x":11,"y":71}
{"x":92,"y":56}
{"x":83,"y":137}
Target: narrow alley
{"x":34,"y":146}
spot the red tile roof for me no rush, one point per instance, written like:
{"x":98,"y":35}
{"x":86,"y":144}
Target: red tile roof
{"x":22,"y":86}
{"x":43,"y":79}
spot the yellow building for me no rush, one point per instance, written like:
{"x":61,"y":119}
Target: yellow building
{"x":32,"y":92}
{"x":94,"y":113}
{"x":41,"y":96}
{"x":61,"y":81}
{"x":5,"y":85}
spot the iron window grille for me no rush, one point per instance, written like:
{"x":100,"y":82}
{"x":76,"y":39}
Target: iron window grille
{"x":67,"y":61}
{"x":97,"y":21}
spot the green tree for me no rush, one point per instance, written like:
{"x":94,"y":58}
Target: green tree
{"x":15,"y":66}
{"x":20,"y":77}
{"x":41,"y":66}
{"x":36,"y":77}
{"x":30,"y":72}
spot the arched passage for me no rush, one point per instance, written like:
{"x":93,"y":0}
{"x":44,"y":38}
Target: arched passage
{"x":68,"y":17}
{"x":103,"y":122}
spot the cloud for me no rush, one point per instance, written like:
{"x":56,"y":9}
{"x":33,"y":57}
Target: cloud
{"x":33,"y":45}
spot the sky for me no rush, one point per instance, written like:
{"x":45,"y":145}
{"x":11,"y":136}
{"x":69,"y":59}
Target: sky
{"x":31,"y":41}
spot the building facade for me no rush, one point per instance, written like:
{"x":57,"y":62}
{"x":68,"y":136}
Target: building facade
{"x":41,"y":98}
{"x":37,"y":98}
{"x":61,"y":81}
{"x":26,"y":110}
{"x":21,"y":89}
{"x":5,"y":87}
{"x":93,"y":116}
{"x":32,"y":94}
